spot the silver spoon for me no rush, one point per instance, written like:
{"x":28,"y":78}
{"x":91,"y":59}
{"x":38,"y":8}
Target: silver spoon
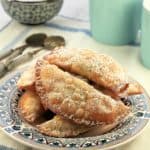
{"x":34,"y":40}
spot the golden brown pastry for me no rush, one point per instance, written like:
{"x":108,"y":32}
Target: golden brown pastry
{"x":31,"y":110}
{"x":30,"y":107}
{"x":75,"y":99}
{"x":134,"y":88}
{"x":81,"y":87}
{"x":99,"y":130}
{"x":99,"y":68}
{"x":60,"y":127}
{"x":110,"y":70}
{"x":57,"y":126}
{"x":27,"y":79}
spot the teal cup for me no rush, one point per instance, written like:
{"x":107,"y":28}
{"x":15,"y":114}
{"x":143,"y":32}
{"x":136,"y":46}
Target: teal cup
{"x":145,"y":44}
{"x":115,"y":22}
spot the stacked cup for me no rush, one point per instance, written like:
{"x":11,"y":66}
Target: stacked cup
{"x":145,"y":43}
{"x":118,"y":22}
{"x":115,"y":22}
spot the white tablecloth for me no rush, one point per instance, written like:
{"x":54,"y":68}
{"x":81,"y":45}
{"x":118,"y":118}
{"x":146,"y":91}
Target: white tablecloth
{"x":75,"y":28}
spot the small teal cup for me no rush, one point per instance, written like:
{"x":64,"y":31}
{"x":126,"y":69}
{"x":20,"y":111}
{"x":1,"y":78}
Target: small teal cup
{"x":115,"y":22}
{"x":145,"y":44}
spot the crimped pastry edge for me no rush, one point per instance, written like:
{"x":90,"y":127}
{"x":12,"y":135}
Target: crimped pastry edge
{"x":41,"y":93}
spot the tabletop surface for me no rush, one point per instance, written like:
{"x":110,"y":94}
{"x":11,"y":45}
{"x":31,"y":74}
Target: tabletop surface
{"x":78,"y":10}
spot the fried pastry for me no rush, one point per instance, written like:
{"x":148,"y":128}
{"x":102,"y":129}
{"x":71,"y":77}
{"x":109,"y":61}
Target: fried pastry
{"x":99,"y":68}
{"x":61,"y":127}
{"x":31,"y":110}
{"x":27,"y":79}
{"x":30,"y":107}
{"x":99,"y":130}
{"x":73,"y":98}
{"x":134,"y":88}
{"x":73,"y":92}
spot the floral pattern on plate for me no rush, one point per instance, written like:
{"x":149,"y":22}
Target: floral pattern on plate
{"x":12,"y":124}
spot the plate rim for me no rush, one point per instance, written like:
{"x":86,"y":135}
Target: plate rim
{"x":38,"y":145}
{"x":107,"y":148}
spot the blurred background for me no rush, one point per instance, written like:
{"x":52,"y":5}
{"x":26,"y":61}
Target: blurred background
{"x":71,"y":8}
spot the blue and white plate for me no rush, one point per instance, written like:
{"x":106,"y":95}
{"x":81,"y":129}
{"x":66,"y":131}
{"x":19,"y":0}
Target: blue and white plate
{"x":12,"y":124}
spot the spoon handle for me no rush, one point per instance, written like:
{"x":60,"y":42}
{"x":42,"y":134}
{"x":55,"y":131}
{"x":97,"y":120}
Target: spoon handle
{"x":4,"y":54}
{"x":9,"y":54}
